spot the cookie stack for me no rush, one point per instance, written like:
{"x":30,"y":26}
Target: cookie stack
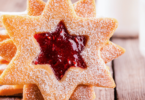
{"x":57,"y":51}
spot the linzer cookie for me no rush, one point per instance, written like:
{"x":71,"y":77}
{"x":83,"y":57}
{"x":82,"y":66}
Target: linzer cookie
{"x":89,"y":6}
{"x":59,"y":26}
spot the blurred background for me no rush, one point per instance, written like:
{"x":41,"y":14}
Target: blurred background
{"x":129,"y":69}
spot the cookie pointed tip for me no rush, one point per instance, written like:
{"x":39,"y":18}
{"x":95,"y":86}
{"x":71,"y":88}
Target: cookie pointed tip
{"x":115,"y":22}
{"x":121,"y":49}
{"x":112,"y":83}
{"x":4,"y":19}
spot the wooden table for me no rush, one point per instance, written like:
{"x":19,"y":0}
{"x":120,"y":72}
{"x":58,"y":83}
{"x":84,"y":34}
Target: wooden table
{"x":128,"y":70}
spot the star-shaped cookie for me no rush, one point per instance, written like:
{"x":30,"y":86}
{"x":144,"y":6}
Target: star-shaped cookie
{"x":33,"y":12}
{"x":89,"y":6}
{"x":86,"y":15}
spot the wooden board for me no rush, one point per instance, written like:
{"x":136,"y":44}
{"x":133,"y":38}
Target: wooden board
{"x":125,"y":35}
{"x":130,"y":71}
{"x":105,"y":93}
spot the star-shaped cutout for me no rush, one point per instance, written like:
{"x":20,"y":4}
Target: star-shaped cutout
{"x":60,"y":50}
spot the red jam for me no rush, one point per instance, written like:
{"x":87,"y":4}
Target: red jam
{"x":60,"y":50}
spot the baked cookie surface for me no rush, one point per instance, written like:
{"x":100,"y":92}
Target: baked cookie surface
{"x":37,"y":19}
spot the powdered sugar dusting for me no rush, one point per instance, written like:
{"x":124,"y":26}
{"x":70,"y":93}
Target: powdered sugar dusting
{"x":7,"y":48}
{"x":84,"y":93}
{"x":111,"y":51}
{"x":98,"y":30}
{"x":85,"y":8}
{"x":31,"y":92}
{"x":10,"y":13}
{"x":35,"y":7}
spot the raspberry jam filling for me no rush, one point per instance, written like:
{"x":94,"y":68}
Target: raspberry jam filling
{"x":60,"y":50}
